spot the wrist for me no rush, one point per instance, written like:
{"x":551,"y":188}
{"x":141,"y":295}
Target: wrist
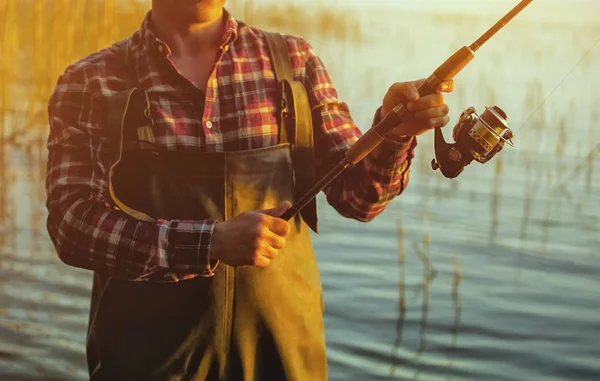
{"x":396,"y":135}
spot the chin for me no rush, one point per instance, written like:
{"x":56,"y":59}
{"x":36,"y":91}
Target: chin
{"x":197,"y":7}
{"x":203,"y":3}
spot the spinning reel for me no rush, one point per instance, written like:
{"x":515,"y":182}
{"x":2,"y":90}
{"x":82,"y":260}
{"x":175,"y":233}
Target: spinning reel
{"x":477,"y":137}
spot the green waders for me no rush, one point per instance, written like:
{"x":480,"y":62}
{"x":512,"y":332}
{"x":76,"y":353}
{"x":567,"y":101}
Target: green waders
{"x":244,"y":323}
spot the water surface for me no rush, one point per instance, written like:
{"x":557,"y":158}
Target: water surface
{"x":491,"y":276}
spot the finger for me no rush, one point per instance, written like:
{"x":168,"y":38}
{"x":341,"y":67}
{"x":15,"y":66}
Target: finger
{"x":269,"y":252}
{"x":261,"y":261}
{"x":428,"y":101}
{"x":419,"y":82}
{"x":446,"y":86}
{"x":272,"y":220}
{"x":438,"y":122}
{"x":432,"y":112}
{"x":406,"y":91}
{"x":277,"y":211}
{"x":278,"y":226}
{"x":275,"y":241}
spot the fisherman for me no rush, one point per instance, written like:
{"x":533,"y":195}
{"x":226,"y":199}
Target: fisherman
{"x":195,"y":275}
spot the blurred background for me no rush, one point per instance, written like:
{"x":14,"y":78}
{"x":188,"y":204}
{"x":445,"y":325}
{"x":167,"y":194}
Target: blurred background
{"x":494,"y":275}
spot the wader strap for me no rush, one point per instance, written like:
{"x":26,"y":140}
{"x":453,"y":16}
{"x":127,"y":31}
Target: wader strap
{"x":296,"y":122}
{"x":128,"y":112}
{"x":129,"y":125}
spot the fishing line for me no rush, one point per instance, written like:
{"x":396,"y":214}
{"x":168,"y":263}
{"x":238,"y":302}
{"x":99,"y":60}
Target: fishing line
{"x":557,"y":86}
{"x":578,"y":167}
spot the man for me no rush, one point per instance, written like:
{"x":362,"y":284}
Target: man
{"x":200,"y":279}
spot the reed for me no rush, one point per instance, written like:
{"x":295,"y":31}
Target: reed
{"x":561,"y":143}
{"x":429,"y":274}
{"x":527,"y":197}
{"x":496,"y":197}
{"x":401,"y":239}
{"x":456,"y":298}
{"x":3,"y":199}
{"x":594,"y":121}
{"x":9,"y":43}
{"x":457,"y":306}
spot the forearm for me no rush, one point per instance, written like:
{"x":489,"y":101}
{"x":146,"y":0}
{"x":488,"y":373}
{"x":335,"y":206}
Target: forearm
{"x":361,"y":192}
{"x":90,"y":235}
{"x":364,"y":191}
{"x":86,"y":228}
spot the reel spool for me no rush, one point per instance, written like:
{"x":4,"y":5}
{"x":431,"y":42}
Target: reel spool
{"x":477,"y":137}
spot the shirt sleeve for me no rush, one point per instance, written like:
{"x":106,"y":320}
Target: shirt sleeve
{"x":86,"y":228}
{"x":363,"y":191}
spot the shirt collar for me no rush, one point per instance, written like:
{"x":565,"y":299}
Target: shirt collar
{"x":153,"y":45}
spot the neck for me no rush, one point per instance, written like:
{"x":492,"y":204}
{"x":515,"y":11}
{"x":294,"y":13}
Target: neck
{"x":187,"y":33}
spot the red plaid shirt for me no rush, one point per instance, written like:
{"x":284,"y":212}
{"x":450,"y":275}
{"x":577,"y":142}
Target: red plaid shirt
{"x":237,"y":112}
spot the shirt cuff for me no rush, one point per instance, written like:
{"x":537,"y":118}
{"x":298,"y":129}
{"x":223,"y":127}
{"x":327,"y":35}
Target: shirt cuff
{"x":391,"y":152}
{"x":188,"y":248}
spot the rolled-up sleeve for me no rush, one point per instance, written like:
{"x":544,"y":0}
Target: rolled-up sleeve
{"x":363,"y":191}
{"x":88,"y":231}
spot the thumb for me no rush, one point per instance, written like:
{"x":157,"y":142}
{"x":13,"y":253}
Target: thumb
{"x":279,"y":210}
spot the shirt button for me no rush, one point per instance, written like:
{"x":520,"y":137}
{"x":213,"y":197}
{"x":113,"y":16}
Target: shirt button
{"x":209,"y":124}
{"x":160,"y":48}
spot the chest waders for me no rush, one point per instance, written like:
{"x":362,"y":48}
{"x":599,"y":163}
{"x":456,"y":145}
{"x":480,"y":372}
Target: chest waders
{"x":243,"y":323}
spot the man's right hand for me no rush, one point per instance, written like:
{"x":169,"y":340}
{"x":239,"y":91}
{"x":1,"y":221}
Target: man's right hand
{"x":252,"y":238}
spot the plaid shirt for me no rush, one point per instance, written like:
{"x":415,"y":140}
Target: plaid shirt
{"x":236,"y":112}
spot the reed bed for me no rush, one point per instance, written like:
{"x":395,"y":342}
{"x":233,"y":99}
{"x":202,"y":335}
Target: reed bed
{"x":40,"y":39}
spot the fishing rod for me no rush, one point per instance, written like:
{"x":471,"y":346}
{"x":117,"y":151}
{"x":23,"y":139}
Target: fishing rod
{"x":478,"y":137}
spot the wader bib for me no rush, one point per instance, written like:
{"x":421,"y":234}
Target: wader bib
{"x":244,"y":323}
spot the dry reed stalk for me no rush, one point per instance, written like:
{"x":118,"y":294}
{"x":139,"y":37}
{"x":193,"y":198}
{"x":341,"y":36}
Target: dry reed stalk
{"x":427,"y":278}
{"x":457,"y":305}
{"x":527,"y":197}
{"x":429,"y":273}
{"x":9,"y":43}
{"x":495,"y":201}
{"x":589,"y":176}
{"x":561,"y":143}
{"x":401,"y":235}
{"x":456,"y":298}
{"x":456,"y":287}
{"x":39,"y":54}
{"x":3,"y":196}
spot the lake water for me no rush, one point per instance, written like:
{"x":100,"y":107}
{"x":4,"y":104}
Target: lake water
{"x":494,"y":275}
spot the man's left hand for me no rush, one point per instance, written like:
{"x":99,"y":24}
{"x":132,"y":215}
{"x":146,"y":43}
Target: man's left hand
{"x":426,"y":112}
